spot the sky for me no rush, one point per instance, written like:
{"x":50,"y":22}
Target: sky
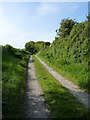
{"x":21,"y":22}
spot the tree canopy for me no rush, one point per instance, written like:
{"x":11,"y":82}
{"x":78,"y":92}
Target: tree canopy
{"x":34,"y":47}
{"x":66,"y":26}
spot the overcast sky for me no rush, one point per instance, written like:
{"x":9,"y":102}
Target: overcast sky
{"x":21,"y":22}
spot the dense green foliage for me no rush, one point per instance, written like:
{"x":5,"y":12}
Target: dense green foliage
{"x":69,"y":53}
{"x":14,"y":62}
{"x":61,"y":103}
{"x":34,"y":47}
{"x":66,"y":26}
{"x":30,"y":47}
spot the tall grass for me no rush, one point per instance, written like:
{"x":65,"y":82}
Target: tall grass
{"x":75,"y":72}
{"x":13,"y":82}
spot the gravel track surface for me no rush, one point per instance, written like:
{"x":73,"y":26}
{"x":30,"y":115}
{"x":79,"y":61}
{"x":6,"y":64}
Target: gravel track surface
{"x":34,"y":103}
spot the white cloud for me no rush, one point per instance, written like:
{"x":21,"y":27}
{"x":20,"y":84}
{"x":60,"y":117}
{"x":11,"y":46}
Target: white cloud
{"x":10,"y":34}
{"x":13,"y":35}
{"x":46,"y":9}
{"x":74,"y":7}
{"x":71,"y":8}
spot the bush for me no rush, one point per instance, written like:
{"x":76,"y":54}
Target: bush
{"x":13,"y":81}
{"x":70,"y":54}
{"x":10,"y":49}
{"x":18,"y":55}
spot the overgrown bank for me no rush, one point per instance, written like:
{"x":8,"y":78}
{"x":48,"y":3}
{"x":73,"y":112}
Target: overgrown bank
{"x":14,"y":64}
{"x":61,"y":103}
{"x":69,"y":52}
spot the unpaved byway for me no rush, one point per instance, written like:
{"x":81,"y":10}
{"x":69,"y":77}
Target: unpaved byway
{"x":82,"y":96}
{"x":34,"y":103}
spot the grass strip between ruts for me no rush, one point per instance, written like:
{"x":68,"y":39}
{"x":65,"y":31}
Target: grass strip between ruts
{"x":61,"y":103}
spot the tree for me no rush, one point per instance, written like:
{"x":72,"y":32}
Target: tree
{"x":34,"y":47}
{"x":47,"y":44}
{"x":66,"y":26}
{"x":42,"y":45}
{"x":39,"y":45}
{"x":30,"y":47}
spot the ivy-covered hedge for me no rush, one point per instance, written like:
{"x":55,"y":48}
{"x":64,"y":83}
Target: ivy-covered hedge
{"x":70,"y":54}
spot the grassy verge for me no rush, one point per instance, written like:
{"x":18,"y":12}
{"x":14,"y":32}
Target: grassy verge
{"x":61,"y":103}
{"x":13,"y":81}
{"x":77,"y":73}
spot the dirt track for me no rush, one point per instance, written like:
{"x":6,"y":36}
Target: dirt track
{"x":81,"y":95}
{"x":34,"y":103}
